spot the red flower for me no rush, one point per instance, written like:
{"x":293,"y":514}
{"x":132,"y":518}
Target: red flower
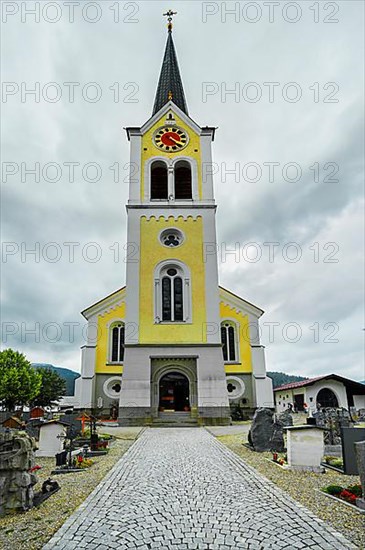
{"x":348,"y":496}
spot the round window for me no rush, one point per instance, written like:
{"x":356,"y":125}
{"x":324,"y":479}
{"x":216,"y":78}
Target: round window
{"x":171,"y":238}
{"x":112,"y":387}
{"x":235,"y":387}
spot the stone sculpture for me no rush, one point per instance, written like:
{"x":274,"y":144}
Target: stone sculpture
{"x":261,"y":431}
{"x":16,"y":476}
{"x":281,"y":421}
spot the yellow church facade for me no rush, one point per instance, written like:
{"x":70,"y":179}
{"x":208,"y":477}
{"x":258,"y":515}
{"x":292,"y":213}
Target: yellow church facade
{"x":172,"y":346}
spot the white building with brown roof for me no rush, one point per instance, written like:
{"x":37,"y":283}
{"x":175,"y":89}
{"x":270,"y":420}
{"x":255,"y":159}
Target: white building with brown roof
{"x":330,"y":390}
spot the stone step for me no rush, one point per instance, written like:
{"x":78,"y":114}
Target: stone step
{"x":176,"y":419}
{"x":174,"y":425}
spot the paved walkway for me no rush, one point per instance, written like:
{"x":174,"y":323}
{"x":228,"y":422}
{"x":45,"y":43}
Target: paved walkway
{"x":181,"y":489}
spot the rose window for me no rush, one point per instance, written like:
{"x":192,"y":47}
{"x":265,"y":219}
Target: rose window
{"x":171,"y":238}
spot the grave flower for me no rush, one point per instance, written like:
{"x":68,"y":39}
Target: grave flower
{"x":348,"y":496}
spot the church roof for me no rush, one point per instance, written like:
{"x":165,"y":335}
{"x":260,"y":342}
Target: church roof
{"x":170,"y":86}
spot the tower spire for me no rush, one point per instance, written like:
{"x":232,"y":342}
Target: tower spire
{"x":170,"y":86}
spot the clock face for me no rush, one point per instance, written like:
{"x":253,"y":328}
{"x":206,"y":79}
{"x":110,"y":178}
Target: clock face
{"x":170,"y":139}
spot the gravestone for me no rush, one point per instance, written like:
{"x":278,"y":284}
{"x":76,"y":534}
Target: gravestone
{"x":333,"y":420}
{"x":261,"y":431}
{"x":17,"y":481}
{"x":285,"y":418}
{"x":281,"y":420}
{"x":51,"y":438}
{"x":360,"y":456}
{"x":305,"y":448}
{"x":349,"y":436}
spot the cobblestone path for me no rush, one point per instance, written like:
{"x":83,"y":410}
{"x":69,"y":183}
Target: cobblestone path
{"x":181,"y":489}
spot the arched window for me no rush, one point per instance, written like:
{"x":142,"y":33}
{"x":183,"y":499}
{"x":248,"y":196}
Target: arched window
{"x":228,"y":335}
{"x":159,"y":180}
{"x":117,"y":342}
{"x":327,"y":398}
{"x":183,"y":180}
{"x":172,"y":295}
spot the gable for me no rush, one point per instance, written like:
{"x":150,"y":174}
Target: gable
{"x":162,"y":113}
{"x":239,"y":304}
{"x":106,"y":304}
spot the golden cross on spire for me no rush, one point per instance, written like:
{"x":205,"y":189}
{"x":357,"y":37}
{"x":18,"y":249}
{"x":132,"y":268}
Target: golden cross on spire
{"x":169,"y":16}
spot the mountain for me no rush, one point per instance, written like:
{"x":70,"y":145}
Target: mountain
{"x":280,"y":378}
{"x":69,"y":375}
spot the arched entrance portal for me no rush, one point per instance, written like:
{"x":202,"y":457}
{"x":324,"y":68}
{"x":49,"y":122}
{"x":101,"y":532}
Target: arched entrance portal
{"x":327,"y":398}
{"x":174,"y":393}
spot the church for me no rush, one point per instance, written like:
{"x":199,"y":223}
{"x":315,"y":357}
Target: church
{"x":172,"y":346}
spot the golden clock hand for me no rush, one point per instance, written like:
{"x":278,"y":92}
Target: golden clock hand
{"x":174,"y":140}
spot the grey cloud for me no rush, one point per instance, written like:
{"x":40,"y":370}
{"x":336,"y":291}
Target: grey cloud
{"x":303,"y":132}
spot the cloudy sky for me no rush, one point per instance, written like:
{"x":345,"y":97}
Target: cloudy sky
{"x":288,"y":154}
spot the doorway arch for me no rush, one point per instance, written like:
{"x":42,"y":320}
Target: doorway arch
{"x":327,"y":398}
{"x":174,"y":392}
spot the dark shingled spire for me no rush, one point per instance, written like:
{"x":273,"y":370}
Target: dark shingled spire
{"x":170,"y":85}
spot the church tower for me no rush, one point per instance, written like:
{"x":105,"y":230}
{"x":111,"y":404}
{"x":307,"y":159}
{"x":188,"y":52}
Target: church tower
{"x":172,"y":329}
{"x":172,"y":346}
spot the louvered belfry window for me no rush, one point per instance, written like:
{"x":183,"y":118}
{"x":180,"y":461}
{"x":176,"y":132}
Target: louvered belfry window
{"x":183,"y":181}
{"x":159,"y":181}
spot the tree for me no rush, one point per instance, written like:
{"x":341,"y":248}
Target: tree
{"x":52,"y":387}
{"x":19,"y":382}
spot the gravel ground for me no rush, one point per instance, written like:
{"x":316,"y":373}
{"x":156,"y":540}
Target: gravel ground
{"x":32,"y":529}
{"x":302,"y":487}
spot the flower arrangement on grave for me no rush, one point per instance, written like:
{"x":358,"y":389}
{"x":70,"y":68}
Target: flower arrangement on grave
{"x":85,"y":463}
{"x":282,"y":460}
{"x":348,"y":494}
{"x":82,"y":462}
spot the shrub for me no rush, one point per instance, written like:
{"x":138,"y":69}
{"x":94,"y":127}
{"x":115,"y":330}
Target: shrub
{"x":337,"y":463}
{"x":106,"y":437}
{"x":333,"y":490}
{"x":334,"y":461}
